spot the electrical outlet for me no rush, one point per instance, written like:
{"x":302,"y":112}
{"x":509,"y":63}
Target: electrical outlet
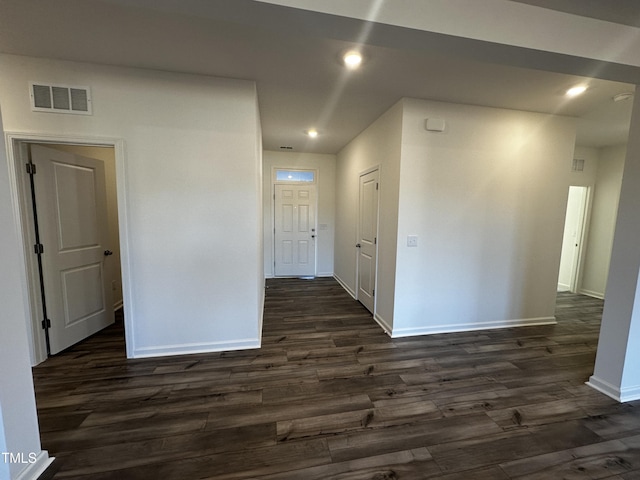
{"x":412,"y":240}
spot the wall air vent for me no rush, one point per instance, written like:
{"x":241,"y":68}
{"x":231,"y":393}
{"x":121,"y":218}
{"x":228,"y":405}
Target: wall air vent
{"x":60,"y":98}
{"x":577,"y":165}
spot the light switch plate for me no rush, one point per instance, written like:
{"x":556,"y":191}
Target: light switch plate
{"x":412,"y":240}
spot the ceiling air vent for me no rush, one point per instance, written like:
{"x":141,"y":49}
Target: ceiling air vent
{"x":60,"y":99}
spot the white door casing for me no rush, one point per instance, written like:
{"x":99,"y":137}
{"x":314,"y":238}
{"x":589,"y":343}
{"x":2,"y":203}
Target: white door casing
{"x":367,"y":239}
{"x":295,"y":230}
{"x":72,"y":217}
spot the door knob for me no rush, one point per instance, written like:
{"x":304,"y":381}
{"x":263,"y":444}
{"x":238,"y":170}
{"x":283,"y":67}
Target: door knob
{"x":313,"y":236}
{"x":358,"y":245}
{"x":107,"y":253}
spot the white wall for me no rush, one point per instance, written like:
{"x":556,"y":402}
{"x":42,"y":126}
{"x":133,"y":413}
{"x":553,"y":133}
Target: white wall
{"x":325,"y":165}
{"x":616,"y":372}
{"x":189,"y":194}
{"x":378,"y":145}
{"x":18,"y":421}
{"x":257,"y":184}
{"x":487,"y":199}
{"x":604,"y":210}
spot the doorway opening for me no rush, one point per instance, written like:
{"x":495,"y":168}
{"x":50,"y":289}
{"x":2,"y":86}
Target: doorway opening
{"x":573,"y":239}
{"x":68,"y":212}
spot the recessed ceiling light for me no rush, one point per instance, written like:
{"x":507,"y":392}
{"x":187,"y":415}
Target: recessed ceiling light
{"x":575,"y":91}
{"x":622,"y":96}
{"x":352,"y":59}
{"x":312,"y":133}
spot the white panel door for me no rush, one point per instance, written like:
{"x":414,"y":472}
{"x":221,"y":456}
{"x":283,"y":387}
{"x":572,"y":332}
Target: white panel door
{"x":367,"y":239}
{"x":572,"y":239}
{"x":295,"y":230}
{"x":72,"y":217}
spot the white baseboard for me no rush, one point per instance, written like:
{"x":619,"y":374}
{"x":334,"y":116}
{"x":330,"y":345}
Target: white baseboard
{"x":384,"y":324}
{"x":263,"y":296}
{"x":630,"y":394}
{"x":118,"y":305}
{"x":345,"y":286}
{"x":604,"y":387}
{"x":37,"y":468}
{"x":563,"y":288}
{"x":269,"y":275}
{"x":467,"y":327}
{"x":189,"y":348}
{"x":627,"y":394}
{"x":591,"y":293}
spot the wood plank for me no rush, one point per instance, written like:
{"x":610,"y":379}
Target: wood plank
{"x":357,"y":420}
{"x":239,"y":416}
{"x":407,"y":464}
{"x":141,"y":428}
{"x":224,"y":466}
{"x":601,"y":460}
{"x":512,"y":445}
{"x":501,"y":399}
{"x":406,"y":437}
{"x":537,"y":414}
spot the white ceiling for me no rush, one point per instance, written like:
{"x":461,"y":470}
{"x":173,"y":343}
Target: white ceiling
{"x":294,"y":58}
{"x":625,"y":12}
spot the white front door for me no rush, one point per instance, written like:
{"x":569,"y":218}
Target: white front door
{"x":295,"y":230}
{"x":367,"y":239}
{"x":70,"y":197}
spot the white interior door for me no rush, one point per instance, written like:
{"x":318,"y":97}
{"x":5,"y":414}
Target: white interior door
{"x":572,"y":239}
{"x":367,"y":239}
{"x":295,"y":230}
{"x":72,"y":218}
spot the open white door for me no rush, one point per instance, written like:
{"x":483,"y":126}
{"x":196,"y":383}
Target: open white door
{"x":70,"y":197}
{"x":295,"y":230}
{"x":572,"y":239}
{"x":367,"y":239}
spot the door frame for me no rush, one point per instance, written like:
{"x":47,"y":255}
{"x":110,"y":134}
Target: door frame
{"x":357,"y":239}
{"x":272,"y":199}
{"x":16,"y":153}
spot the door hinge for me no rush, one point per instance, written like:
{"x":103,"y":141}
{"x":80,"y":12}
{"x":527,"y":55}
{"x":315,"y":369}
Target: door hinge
{"x":31,"y":168}
{"x":38,"y":248}
{"x":377,"y":185}
{"x":373,"y":292}
{"x":46,"y":323}
{"x":375,"y":240}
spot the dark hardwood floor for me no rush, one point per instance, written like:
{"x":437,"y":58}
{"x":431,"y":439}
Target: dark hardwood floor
{"x":330,"y":396}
